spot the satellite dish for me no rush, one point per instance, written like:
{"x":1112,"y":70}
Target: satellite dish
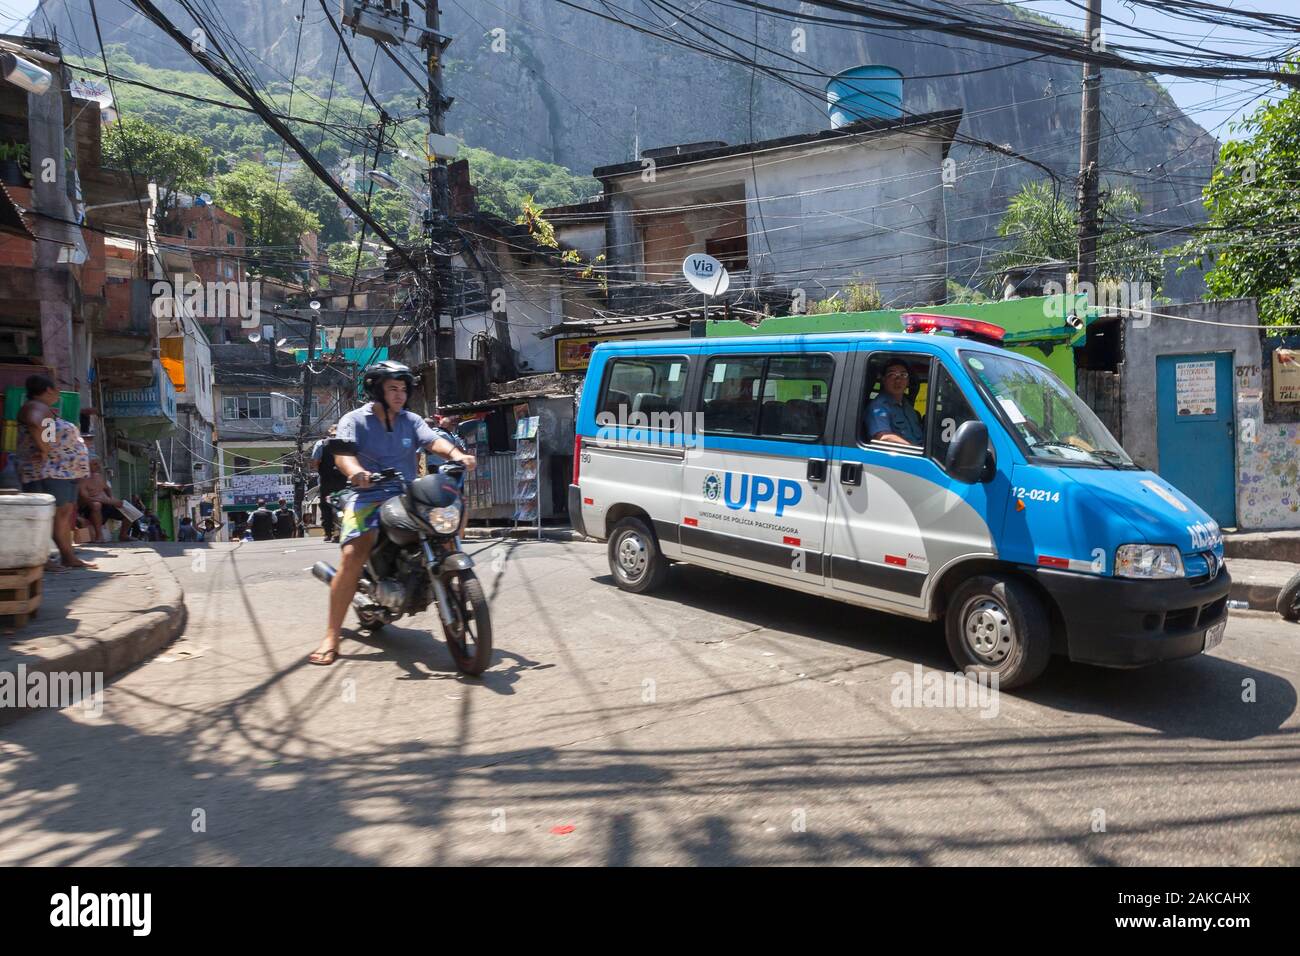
{"x":706,"y":274}
{"x":254,"y":336}
{"x":314,"y":305}
{"x":280,"y":344}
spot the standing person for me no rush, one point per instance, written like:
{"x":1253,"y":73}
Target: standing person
{"x":97,"y":504}
{"x":262,"y":522}
{"x":379,"y":435}
{"x":286,"y":522}
{"x":444,"y":426}
{"x":186,"y":530}
{"x":330,"y":481}
{"x":52,"y":460}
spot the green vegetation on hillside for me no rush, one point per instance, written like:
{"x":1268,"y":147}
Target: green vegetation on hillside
{"x":188,"y":134}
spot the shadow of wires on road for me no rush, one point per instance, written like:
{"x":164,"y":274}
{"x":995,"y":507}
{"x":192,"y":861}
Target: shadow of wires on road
{"x":276,"y":787}
{"x":412,"y":803}
{"x":1207,"y":697}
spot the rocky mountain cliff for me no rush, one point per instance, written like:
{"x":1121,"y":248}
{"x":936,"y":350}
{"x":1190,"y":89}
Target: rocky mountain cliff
{"x":535,"y":78}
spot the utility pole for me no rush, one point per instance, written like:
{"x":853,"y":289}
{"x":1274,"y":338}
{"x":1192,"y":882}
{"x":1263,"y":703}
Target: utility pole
{"x":308,"y":377}
{"x":433,"y":43}
{"x":1089,"y":149}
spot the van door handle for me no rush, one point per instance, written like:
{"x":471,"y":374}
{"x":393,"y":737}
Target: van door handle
{"x":850,"y":473}
{"x":816,"y":469}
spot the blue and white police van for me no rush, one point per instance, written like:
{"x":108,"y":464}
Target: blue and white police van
{"x":932,"y":476}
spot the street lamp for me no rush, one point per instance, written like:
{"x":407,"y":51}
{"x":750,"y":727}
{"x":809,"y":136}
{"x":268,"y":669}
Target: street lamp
{"x":384,"y":179}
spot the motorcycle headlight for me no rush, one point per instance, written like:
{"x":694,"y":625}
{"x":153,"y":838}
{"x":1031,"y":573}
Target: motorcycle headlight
{"x":444,"y":520}
{"x":1148,"y":561}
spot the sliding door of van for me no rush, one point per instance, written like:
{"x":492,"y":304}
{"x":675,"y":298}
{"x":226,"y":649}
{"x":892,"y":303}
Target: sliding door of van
{"x":755,"y":491}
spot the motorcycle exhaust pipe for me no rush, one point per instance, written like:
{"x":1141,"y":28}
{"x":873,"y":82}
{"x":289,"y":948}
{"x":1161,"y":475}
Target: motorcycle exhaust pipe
{"x":325,"y":574}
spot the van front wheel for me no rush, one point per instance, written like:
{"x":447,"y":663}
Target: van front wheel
{"x":998,"y":625}
{"x":634,"y":557}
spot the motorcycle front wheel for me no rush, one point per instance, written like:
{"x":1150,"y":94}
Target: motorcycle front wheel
{"x":470,"y":636}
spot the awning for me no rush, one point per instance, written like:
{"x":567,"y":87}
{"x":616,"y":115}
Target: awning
{"x":14,"y":216}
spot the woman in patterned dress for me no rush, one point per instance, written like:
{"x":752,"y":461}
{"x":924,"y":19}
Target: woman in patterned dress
{"x":52,"y":459}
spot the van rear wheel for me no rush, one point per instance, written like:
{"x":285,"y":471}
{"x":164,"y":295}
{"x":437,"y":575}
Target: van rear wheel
{"x":998,"y":625}
{"x":634,"y":557}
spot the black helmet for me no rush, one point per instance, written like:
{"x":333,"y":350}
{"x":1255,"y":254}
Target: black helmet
{"x":381,"y":372}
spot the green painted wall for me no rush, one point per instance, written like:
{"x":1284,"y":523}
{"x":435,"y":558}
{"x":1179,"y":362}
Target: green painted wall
{"x":1035,"y":326}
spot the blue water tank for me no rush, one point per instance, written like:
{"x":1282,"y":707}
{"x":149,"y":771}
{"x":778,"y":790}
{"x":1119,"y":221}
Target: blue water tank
{"x":864,"y":92}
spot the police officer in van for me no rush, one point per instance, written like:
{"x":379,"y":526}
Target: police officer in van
{"x":890,"y":417}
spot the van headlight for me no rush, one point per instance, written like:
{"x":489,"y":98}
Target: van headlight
{"x":444,"y":520}
{"x":1148,"y":561}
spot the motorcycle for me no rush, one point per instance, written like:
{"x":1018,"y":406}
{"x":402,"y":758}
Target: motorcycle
{"x":418,"y":561}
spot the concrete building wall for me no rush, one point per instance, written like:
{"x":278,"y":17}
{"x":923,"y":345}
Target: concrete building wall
{"x":818,"y":217}
{"x":586,"y":237}
{"x":1267,"y":452}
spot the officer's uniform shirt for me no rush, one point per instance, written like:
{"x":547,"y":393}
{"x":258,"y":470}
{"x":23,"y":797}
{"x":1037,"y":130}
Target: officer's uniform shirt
{"x":886,"y":415}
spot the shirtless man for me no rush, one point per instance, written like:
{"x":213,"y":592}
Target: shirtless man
{"x":95,"y":498}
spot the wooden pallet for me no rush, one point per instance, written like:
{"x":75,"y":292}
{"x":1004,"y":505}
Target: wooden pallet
{"x":20,"y":593}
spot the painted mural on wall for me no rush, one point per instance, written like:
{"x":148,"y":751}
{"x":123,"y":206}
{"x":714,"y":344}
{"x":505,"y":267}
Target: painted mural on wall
{"x":1268,"y":460}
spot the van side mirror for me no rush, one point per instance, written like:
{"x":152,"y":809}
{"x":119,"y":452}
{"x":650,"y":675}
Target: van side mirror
{"x":968,"y":453}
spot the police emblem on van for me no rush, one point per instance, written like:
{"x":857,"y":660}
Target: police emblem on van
{"x":712,"y":488}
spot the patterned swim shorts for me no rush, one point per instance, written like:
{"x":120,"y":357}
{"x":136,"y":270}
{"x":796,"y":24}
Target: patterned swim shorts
{"x":358,"y":519}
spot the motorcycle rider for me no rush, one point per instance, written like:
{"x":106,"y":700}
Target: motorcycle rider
{"x":380,"y":434}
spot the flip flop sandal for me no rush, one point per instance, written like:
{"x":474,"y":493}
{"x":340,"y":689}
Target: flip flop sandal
{"x":323,"y":658}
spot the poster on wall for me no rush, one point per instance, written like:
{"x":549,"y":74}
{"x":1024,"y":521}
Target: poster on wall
{"x":574,"y":355}
{"x":1286,"y":375}
{"x":1194,"y":388}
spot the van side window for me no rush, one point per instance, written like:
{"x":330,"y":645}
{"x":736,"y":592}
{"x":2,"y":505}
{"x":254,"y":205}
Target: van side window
{"x":731,"y":394}
{"x":949,"y":411}
{"x":649,"y":386}
{"x":893,"y":409}
{"x":781,"y":396}
{"x":796,"y":393}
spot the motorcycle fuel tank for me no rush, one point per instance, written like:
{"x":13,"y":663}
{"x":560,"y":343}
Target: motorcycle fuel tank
{"x":400,"y":526}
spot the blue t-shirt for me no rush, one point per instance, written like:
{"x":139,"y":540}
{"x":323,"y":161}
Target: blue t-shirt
{"x":379,"y":447}
{"x":886,"y":415}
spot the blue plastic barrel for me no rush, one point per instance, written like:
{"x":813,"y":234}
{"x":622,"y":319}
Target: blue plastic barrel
{"x":864,"y":92}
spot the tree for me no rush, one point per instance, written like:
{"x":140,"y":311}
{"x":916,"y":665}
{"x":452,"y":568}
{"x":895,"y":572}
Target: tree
{"x":502,"y":185}
{"x":273,"y":219}
{"x":392,"y":209}
{"x":174,"y":161}
{"x":317,"y":198}
{"x":342,"y":258}
{"x":1042,"y":227}
{"x":1254,"y":213}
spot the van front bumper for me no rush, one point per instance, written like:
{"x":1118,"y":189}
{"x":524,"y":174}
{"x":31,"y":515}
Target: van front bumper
{"x":575,"y":510}
{"x":1121,"y":622}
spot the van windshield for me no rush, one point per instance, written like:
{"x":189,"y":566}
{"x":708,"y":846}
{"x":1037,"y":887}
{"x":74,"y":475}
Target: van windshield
{"x":1053,"y":423}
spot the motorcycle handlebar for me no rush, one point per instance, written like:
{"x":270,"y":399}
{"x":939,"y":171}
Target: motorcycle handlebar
{"x":377,"y":476}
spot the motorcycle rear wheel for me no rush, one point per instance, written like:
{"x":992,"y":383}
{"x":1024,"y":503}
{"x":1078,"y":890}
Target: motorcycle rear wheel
{"x":470,"y":639}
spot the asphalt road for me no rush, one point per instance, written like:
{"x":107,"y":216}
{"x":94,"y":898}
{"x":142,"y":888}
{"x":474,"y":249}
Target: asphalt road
{"x":718,"y":722}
